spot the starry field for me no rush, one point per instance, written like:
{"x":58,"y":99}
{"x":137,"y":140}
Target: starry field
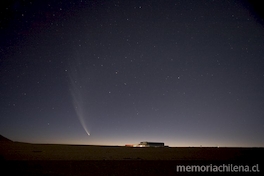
{"x":99,"y":72}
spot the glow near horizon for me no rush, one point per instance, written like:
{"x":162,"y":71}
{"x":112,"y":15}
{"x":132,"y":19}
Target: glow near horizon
{"x":112,"y":142}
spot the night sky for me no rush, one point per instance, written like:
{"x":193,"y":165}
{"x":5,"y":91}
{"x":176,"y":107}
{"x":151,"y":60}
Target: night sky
{"x":187,"y":73}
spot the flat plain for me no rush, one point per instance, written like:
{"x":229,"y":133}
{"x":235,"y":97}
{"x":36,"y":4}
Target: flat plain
{"x":55,"y":159}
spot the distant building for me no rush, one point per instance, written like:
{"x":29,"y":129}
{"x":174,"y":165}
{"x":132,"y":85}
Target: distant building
{"x":147,"y":144}
{"x":151,"y":144}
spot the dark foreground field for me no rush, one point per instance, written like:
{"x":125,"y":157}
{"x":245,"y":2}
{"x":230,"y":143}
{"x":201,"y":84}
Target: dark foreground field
{"x":37,"y":159}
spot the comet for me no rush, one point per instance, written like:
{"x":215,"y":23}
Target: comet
{"x":78,"y":92}
{"x":80,"y":110}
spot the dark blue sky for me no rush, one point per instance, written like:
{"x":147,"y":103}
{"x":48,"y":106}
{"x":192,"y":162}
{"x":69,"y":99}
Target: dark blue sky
{"x":187,"y":73}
